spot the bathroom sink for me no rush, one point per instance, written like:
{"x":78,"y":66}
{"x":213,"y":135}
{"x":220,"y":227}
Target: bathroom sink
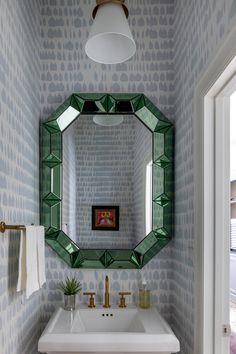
{"x":111,"y":320}
{"x":112,"y":330}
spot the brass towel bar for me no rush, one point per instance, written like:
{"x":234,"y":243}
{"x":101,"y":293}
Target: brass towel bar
{"x":4,"y":227}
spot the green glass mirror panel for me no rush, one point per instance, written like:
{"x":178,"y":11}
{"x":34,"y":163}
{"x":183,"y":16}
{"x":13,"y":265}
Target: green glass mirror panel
{"x":62,"y":217}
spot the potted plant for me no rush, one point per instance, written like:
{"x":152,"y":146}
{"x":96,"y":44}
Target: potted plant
{"x":70,"y":287}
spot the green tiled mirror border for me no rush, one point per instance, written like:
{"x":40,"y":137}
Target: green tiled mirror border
{"x":51,"y":179}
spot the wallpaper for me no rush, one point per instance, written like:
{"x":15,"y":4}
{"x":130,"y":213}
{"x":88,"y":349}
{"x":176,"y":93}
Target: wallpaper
{"x":20,"y":322}
{"x":142,"y":182}
{"x":42,"y":61}
{"x":200,"y":28}
{"x":105,"y":166}
{"x":104,"y":172}
{"x":66,"y":69}
{"x":69,"y":182}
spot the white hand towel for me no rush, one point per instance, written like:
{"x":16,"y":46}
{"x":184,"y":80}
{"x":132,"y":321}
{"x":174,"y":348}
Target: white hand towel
{"x":41,"y":255}
{"x":21,"y":284}
{"x":31,"y":260}
{"x":32,"y":283}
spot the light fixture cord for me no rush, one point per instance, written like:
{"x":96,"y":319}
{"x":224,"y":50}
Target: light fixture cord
{"x":102,"y":2}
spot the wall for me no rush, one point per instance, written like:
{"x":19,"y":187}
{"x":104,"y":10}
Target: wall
{"x":142,"y":156}
{"x":20,"y":321}
{"x":66,"y":69}
{"x":232,"y":195}
{"x":105,"y":166}
{"x":233,"y":277}
{"x":69,"y":185}
{"x":105,"y":158}
{"x":200,"y":28}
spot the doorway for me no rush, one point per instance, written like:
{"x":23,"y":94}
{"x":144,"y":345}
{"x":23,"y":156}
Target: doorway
{"x":232,"y":278}
{"x":212,"y":195}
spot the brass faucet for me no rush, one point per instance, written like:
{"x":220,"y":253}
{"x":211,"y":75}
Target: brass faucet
{"x":106,"y":295}
{"x":122,"y":298}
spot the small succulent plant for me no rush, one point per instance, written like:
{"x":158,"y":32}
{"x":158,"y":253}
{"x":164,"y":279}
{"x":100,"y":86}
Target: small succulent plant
{"x":71,"y":286}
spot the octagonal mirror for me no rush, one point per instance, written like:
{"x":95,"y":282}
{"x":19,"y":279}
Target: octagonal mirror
{"x":107,"y":180}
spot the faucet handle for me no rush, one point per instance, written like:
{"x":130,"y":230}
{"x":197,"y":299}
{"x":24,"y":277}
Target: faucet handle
{"x":91,"y":299}
{"x":122,"y":294}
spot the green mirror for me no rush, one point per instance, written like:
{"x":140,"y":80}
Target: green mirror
{"x":107,"y":180}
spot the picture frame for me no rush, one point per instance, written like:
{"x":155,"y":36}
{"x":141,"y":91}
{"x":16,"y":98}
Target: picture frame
{"x":105,"y":217}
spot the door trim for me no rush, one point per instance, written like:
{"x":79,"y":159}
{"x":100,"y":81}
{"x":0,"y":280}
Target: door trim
{"x":219,"y":72}
{"x":222,"y":221}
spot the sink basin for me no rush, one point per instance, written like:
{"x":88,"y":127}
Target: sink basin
{"x":111,"y":330}
{"x":113,"y":320}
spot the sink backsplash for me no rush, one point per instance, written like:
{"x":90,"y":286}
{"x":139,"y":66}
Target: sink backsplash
{"x":157,"y":273}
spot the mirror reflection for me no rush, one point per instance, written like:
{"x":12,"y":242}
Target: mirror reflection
{"x":107,"y":162}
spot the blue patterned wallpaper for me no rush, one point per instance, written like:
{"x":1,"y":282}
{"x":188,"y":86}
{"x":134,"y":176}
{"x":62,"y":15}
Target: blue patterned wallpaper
{"x":69,"y":183}
{"x":176,"y":40}
{"x":20,"y":322}
{"x":200,"y":28}
{"x":104,"y":171}
{"x":105,"y":166}
{"x":142,"y":157}
{"x":66,"y":69}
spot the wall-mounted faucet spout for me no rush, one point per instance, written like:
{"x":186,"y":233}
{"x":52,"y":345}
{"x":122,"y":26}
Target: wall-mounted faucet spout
{"x":106,"y":295}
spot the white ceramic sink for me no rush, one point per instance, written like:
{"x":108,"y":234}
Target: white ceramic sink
{"x":112,"y":320}
{"x":111,"y":330}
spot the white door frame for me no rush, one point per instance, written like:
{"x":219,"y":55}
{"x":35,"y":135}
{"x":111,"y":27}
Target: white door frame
{"x":218,"y":74}
{"x":222,"y":219}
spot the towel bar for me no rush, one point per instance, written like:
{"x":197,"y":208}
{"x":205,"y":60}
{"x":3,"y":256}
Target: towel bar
{"x":4,"y":227}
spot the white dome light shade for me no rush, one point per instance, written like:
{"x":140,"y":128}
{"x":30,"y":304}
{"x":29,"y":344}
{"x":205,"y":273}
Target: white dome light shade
{"x":110,"y":40}
{"x":108,"y":120}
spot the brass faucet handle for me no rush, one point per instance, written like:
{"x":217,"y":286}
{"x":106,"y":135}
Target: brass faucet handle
{"x":91,"y":299}
{"x":122,"y":294}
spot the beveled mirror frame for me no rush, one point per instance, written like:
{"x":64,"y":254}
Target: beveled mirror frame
{"x":51,"y":179}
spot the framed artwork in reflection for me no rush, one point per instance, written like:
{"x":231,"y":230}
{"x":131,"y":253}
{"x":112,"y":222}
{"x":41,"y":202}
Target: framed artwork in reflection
{"x":105,"y":217}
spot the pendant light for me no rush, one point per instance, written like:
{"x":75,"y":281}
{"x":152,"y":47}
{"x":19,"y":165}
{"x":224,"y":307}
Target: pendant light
{"x":108,"y":120}
{"x":110,"y":40}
